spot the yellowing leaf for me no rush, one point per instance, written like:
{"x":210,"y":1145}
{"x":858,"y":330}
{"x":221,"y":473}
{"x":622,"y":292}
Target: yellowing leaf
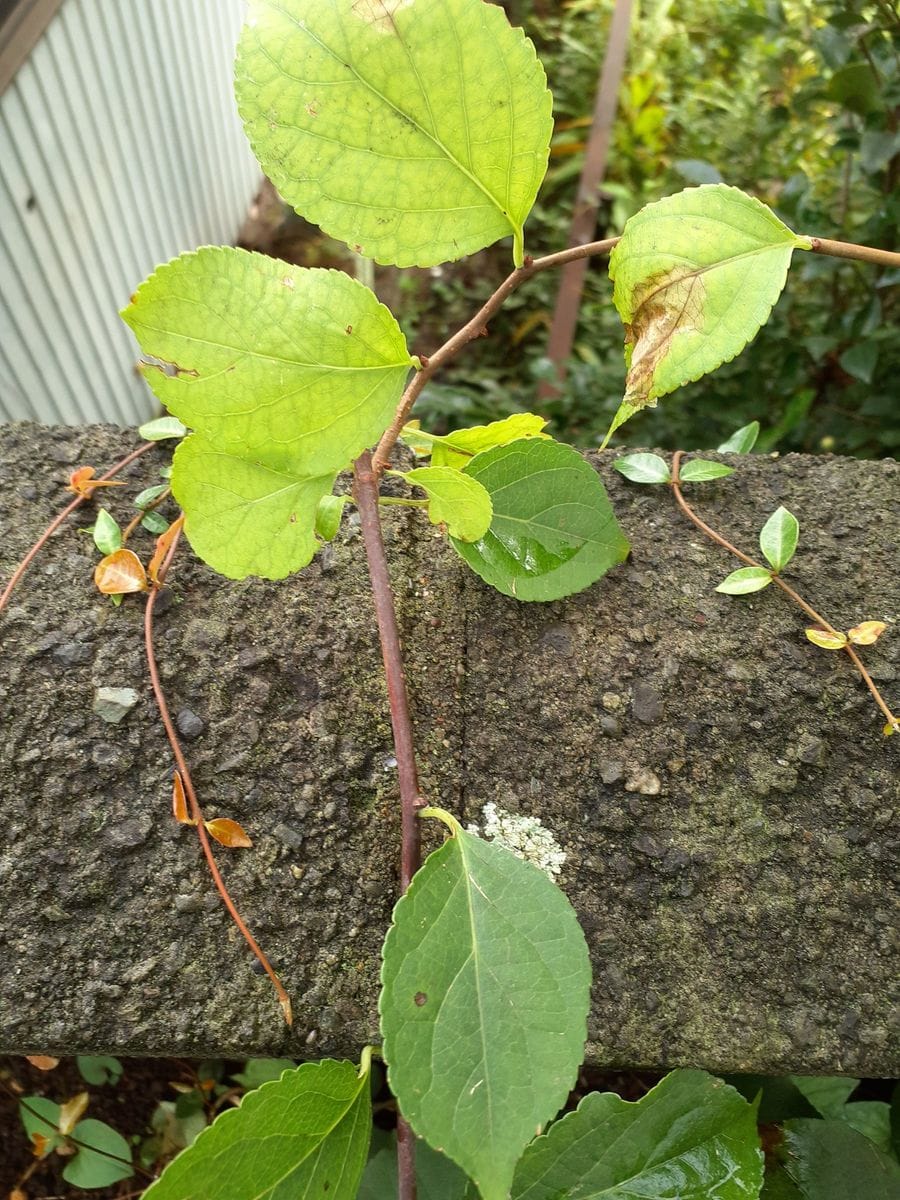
{"x":227,"y":832}
{"x":891,"y":728}
{"x":40,"y":1144}
{"x":828,"y":641}
{"x":120,"y":572}
{"x":71,"y":1112}
{"x":866,"y":633}
{"x":456,"y":499}
{"x":179,"y":801}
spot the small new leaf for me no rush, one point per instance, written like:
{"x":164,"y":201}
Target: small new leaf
{"x":120,"y":572}
{"x":741,"y":441}
{"x":745,"y":580}
{"x":778,"y":538}
{"x":228,"y":833}
{"x":162,"y":428}
{"x":699,"y":470}
{"x":83,"y":483}
{"x":866,"y":633}
{"x":148,"y":495}
{"x":643,"y":468}
{"x":458,"y":448}
{"x":828,"y":641}
{"x":455,"y":499}
{"x":106,"y":533}
{"x":329,"y":511}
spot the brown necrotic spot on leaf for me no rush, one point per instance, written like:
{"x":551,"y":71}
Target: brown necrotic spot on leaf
{"x":380,"y":13}
{"x":665,"y":305}
{"x":420,"y":998}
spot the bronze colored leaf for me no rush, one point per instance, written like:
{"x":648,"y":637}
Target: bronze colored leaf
{"x":866,"y":633}
{"x":120,"y":572}
{"x":179,"y":801}
{"x":163,"y":543}
{"x":43,"y":1062}
{"x":83,"y":483}
{"x":227,"y":832}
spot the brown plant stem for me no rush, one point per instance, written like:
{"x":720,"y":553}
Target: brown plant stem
{"x":893,"y":721}
{"x":867,"y":254}
{"x":60,"y":518}
{"x":136,"y":520}
{"x":196,"y":812}
{"x":365,"y":490}
{"x":471,"y":330}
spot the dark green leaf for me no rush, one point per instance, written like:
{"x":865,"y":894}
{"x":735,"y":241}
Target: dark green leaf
{"x":436,"y":1176}
{"x":861,"y":360}
{"x":99,"y":1069}
{"x":692,"y":1135}
{"x":553,"y":531}
{"x":856,"y":87}
{"x":484,"y":1003}
{"x":826,"y":1093}
{"x":828,"y":1160}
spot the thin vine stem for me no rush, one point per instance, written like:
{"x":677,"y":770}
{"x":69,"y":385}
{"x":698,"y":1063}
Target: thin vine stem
{"x":893,"y":721}
{"x":196,"y":812}
{"x":60,"y":518}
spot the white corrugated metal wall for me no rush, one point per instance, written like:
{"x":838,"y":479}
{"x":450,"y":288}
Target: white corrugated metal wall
{"x":120,"y":147}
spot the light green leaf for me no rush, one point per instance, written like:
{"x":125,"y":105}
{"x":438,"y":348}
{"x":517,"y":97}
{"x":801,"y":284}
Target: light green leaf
{"x":148,"y":495}
{"x":745,"y":580}
{"x":692,"y":1135}
{"x":699,"y":470}
{"x":826,"y":1093}
{"x":696,"y":276}
{"x":437,"y":1178}
{"x":828,"y":1160}
{"x":741,"y":441}
{"x":103,"y":1158}
{"x":644,"y":468}
{"x":287,"y":374}
{"x":415,"y":132}
{"x":154,"y":522}
{"x":305,"y":1134}
{"x":458,"y":448}
{"x":454,"y":498}
{"x":329,"y":511}
{"x":99,"y":1068}
{"x":41,"y":1117}
{"x":258,"y":1071}
{"x":778,"y":538}
{"x":553,"y":531}
{"x":162,"y":428}
{"x":484,"y":1003}
{"x":106,"y":532}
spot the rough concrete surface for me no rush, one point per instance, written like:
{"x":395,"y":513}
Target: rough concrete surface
{"x":721,"y":787}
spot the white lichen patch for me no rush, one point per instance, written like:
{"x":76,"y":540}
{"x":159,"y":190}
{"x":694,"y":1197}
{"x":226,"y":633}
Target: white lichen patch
{"x":525,"y":836}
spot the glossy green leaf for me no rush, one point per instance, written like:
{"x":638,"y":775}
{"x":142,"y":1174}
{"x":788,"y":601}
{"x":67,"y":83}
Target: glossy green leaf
{"x":692,"y":1135}
{"x":699,"y":470}
{"x":741,"y":441}
{"x":778,"y":538}
{"x":286,"y":374}
{"x":328,"y":516}
{"x":644,"y":468}
{"x":106,"y":532}
{"x":484,"y":1003}
{"x":415,"y":132}
{"x":103,"y":1158}
{"x":305,"y":1134}
{"x":826,"y":1093}
{"x":745,"y":580}
{"x":696,"y":276}
{"x":871,"y":1118}
{"x":162,"y":428}
{"x":553,"y":531}
{"x":456,"y":449}
{"x":456,"y":499}
{"x":829,"y":1160}
{"x":437,"y":1178}
{"x":99,"y":1068}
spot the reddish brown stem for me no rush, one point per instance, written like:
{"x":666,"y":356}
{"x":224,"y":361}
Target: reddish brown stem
{"x":59,"y":519}
{"x":471,"y":330}
{"x":785,"y":587}
{"x":196,"y":812}
{"x":136,"y":520}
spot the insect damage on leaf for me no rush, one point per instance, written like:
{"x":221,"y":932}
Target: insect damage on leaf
{"x":666,"y":305}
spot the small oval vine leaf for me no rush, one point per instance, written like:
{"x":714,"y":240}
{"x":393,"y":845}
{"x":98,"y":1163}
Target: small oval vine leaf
{"x":120,"y":572}
{"x":329,"y":511}
{"x":148,"y":495}
{"x":691,"y":1135}
{"x":699,"y":470}
{"x":485,"y":994}
{"x":778,"y":538}
{"x":154,"y":522}
{"x":455,"y":499}
{"x":364,"y":125}
{"x":41,"y":1120}
{"x":459,"y":447}
{"x":553,"y":531}
{"x":306,"y":1133}
{"x":741,"y":441}
{"x":828,"y":641}
{"x":643,"y":468}
{"x":866,"y":633}
{"x":103,"y":1158}
{"x":228,"y":833}
{"x":745,"y":580}
{"x":696,"y":275}
{"x":162,"y":428}
{"x":281,"y":396}
{"x":106,"y":532}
